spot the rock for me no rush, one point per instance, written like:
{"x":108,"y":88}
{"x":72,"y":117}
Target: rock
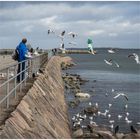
{"x":78,"y":133}
{"x":91,"y":110}
{"x":131,"y":136}
{"x":82,"y":95}
{"x":105,"y":134}
{"x":90,"y":135}
{"x":82,"y":80}
{"x":77,"y":90}
{"x":74,"y":103}
{"x":78,"y":87}
{"x":119,"y":135}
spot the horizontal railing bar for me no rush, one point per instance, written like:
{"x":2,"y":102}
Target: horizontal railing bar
{"x":21,"y":62}
{"x":18,"y":73}
{"x":40,"y":62}
{"x":14,"y":77}
{"x":1,"y":101}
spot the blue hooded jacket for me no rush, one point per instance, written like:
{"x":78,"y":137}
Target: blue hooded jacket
{"x":22,"y":50}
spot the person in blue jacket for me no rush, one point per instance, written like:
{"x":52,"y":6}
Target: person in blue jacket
{"x":22,"y":51}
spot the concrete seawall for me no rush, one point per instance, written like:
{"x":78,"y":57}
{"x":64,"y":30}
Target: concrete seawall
{"x":42,"y":113}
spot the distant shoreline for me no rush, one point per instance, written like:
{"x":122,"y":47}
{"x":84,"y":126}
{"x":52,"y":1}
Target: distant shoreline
{"x":10,"y":51}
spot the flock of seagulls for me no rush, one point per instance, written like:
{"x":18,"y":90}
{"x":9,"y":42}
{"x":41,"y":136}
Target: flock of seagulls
{"x":61,"y":36}
{"x":111,"y":62}
{"x":79,"y":118}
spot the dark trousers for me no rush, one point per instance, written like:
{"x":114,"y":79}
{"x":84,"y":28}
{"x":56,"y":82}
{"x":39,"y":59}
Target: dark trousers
{"x":21,"y":76}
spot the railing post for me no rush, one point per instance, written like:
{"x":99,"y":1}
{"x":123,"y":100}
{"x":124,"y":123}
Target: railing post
{"x":7,"y":89}
{"x":25,"y":72}
{"x":15,"y":81}
{"x":20,"y":77}
{"x":33,"y":66}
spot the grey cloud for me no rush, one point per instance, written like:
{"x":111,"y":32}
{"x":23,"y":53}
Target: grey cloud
{"x":104,"y":21}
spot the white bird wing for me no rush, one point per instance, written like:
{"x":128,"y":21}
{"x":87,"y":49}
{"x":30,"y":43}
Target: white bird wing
{"x":136,"y":58}
{"x":111,"y":51}
{"x":107,"y":62}
{"x":70,"y":33}
{"x":116,"y":96}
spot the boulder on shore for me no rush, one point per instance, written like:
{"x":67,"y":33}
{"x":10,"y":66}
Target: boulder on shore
{"x":78,"y":133}
{"x":91,"y":110}
{"x":82,"y":95}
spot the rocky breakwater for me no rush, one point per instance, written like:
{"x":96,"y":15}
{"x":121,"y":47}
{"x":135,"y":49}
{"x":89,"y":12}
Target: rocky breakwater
{"x":42,"y":113}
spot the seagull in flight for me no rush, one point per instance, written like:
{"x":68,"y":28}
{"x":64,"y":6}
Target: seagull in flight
{"x":111,"y":51}
{"x":62,"y":45}
{"x":109,"y":62}
{"x":117,"y":65}
{"x":136,"y":57}
{"x":121,"y":94}
{"x":72,"y":34}
{"x":63,"y":33}
{"x":50,"y":31}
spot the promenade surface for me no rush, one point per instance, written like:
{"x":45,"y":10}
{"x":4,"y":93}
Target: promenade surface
{"x":6,"y":60}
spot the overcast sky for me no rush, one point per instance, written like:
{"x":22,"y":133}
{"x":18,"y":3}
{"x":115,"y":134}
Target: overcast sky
{"x":109,"y":24}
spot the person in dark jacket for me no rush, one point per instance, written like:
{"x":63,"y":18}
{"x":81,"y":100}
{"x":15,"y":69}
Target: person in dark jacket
{"x":22,"y":51}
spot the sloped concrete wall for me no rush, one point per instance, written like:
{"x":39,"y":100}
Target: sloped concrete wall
{"x":42,"y":113}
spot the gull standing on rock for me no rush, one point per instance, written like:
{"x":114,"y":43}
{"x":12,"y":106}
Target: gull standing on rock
{"x":111,"y":121}
{"x":126,"y":106}
{"x":119,"y":117}
{"x":127,"y":113}
{"x":111,"y":126}
{"x":112,"y":90}
{"x":128,"y":121}
{"x":96,"y":105}
{"x":109,"y":115}
{"x":90,"y":104}
{"x":109,"y":105}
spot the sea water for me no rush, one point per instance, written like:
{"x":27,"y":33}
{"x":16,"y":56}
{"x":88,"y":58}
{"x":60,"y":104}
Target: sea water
{"x":109,"y":80}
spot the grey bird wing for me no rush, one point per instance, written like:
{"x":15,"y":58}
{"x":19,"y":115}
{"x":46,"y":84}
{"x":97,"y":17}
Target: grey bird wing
{"x":126,"y":97}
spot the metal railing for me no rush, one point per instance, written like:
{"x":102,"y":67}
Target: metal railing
{"x":16,"y":75}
